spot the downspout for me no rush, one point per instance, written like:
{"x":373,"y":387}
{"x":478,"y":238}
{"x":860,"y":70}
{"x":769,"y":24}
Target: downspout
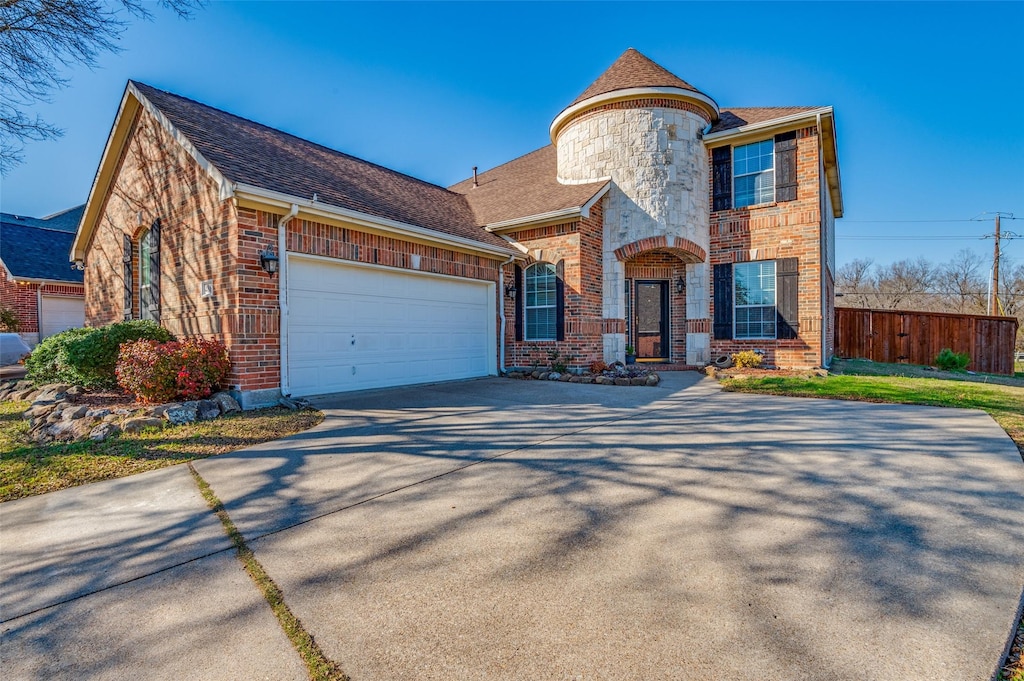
{"x":823,"y":246}
{"x":501,"y":312}
{"x":282,"y":296}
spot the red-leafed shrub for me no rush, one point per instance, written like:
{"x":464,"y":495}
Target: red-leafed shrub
{"x":183,"y":370}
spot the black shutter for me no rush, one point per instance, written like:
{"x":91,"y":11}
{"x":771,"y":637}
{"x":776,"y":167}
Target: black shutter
{"x":723,"y":302}
{"x":154,"y":271}
{"x":560,"y":301}
{"x":126,"y":258}
{"x":785,"y":167}
{"x":721,"y":178}
{"x":520,"y":302}
{"x":787,"y":285}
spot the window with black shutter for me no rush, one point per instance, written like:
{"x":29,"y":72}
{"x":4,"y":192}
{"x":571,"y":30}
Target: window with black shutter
{"x":721,"y":178}
{"x":126,"y":259}
{"x":788,"y":286}
{"x":722,"y":279}
{"x":785,"y":167}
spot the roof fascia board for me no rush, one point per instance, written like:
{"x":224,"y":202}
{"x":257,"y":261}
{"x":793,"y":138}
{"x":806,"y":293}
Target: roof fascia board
{"x":632,"y":93}
{"x":713,"y":139}
{"x":550,"y":217}
{"x":830,"y":154}
{"x":585,"y":209}
{"x":259,"y":197}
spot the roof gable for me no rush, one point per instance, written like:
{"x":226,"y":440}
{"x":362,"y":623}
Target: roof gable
{"x":30,"y":250}
{"x":737,"y":117}
{"x":633,"y":70}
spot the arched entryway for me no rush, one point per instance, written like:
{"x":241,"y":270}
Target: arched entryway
{"x":655,"y":296}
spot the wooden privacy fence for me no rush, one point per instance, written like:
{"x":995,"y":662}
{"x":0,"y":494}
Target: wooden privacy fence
{"x":917,"y":337}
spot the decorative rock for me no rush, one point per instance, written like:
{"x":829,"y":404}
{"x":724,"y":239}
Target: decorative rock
{"x":22,"y":394}
{"x":226,"y":402}
{"x":553,"y":376}
{"x":140,"y":423}
{"x":653,"y":380}
{"x":110,"y":418}
{"x":586,"y":379}
{"x":4,"y":393}
{"x":72,"y":413}
{"x":574,"y":379}
{"x":104,"y":431}
{"x":98,"y":413}
{"x":621,"y":381}
{"x":38,"y":411}
{"x":182,"y":413}
{"x":639,"y":380}
{"x":207,"y":409}
{"x":75,"y":391}
{"x":536,"y":373}
{"x":161,"y":409}
{"x":566,"y":377}
{"x":543,"y":375}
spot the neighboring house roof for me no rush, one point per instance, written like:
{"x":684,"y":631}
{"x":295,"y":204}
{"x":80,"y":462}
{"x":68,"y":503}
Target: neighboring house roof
{"x":525,"y":187}
{"x":254,"y":154}
{"x":736,"y":117}
{"x":31,"y":250}
{"x":633,"y":70}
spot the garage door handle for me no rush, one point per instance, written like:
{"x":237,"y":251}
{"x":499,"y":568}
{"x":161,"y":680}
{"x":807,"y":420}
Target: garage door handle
{"x":353,"y":339}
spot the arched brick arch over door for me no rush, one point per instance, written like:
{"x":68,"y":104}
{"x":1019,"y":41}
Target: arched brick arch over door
{"x":684,"y":249}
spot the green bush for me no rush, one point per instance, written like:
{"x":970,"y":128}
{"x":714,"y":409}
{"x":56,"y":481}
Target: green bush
{"x":49,"y":363}
{"x":747,"y":359}
{"x":88,"y":357}
{"x":952,"y":361}
{"x":94,"y":356}
{"x":9,"y":320}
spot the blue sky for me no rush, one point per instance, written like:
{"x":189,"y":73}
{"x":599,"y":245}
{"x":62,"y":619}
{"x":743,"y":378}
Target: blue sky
{"x":929,"y":97}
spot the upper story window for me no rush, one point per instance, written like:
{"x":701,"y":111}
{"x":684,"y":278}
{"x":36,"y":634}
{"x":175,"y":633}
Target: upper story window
{"x":754,"y":286}
{"x":540,"y":303}
{"x":754,"y":173}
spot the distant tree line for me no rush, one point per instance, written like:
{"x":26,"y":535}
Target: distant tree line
{"x":960,"y":285}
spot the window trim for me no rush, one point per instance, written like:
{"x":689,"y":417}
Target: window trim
{"x":774,"y":306}
{"x":552,"y":272}
{"x":735,"y":175}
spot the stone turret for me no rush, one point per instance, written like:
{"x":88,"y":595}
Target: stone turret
{"x":641,"y":126}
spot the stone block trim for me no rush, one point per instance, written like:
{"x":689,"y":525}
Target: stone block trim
{"x":638,"y":103}
{"x":684,"y":249}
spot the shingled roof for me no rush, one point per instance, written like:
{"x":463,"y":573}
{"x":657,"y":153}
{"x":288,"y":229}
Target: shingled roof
{"x":255,"y":154}
{"x":633,"y":70}
{"x":524,"y":187}
{"x":730,"y":119}
{"x":31,"y":250}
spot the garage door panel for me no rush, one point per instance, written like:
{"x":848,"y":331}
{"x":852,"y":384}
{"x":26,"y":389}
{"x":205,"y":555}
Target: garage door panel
{"x":408,"y":328}
{"x":58,"y":313}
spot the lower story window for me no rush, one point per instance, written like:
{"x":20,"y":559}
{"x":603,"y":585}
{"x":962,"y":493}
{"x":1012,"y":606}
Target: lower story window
{"x":755,"y":312}
{"x":541,"y":305}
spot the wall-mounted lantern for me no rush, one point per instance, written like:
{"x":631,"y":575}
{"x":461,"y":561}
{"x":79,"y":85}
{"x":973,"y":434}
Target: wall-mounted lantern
{"x":510,"y":291}
{"x":268,"y":260}
{"x":680,"y":285}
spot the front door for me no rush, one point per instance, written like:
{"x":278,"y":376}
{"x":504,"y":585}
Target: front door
{"x":652,"y":320}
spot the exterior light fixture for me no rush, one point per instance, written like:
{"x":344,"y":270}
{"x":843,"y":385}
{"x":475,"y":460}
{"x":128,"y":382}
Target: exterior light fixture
{"x":680,"y":285}
{"x":268,"y":260}
{"x":510,"y":291}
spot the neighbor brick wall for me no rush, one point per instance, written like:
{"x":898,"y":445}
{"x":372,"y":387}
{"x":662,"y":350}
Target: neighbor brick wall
{"x":780,"y":230}
{"x":577,"y":246}
{"x":23,"y":299}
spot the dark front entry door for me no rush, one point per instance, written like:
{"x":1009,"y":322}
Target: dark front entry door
{"x":652,"y":320}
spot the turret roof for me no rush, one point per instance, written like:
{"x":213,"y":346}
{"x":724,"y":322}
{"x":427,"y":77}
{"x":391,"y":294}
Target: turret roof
{"x":633,"y":70}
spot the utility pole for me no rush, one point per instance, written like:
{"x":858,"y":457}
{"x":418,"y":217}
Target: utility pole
{"x":993,"y":302}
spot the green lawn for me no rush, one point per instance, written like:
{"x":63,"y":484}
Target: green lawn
{"x":28,"y":469}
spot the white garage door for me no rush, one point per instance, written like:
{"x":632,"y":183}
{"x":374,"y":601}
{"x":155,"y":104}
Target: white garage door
{"x":353,"y":327}
{"x":57,"y":314}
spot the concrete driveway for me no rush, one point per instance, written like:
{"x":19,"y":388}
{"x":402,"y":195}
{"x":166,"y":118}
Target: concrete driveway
{"x":497,"y":529}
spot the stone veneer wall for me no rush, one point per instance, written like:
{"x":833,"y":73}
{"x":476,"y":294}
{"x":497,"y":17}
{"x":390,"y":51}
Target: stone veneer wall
{"x":652,"y":151}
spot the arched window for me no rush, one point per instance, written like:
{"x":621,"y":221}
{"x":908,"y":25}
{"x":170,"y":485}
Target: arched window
{"x":540,"y":302}
{"x":149,"y":273}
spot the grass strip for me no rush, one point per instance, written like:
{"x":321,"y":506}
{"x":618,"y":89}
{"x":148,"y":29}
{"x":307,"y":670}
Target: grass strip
{"x":319,"y":666}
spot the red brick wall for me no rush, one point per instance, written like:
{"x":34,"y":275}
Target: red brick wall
{"x":23,"y":299}
{"x":577,"y":247}
{"x":780,"y":230}
{"x":655,"y":265}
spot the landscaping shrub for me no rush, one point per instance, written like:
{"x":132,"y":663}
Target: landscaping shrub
{"x":94,"y":356}
{"x":9,"y":320}
{"x":49,"y":362}
{"x":747,"y":359}
{"x":597,"y":366}
{"x":952,"y":361}
{"x":161,"y":372}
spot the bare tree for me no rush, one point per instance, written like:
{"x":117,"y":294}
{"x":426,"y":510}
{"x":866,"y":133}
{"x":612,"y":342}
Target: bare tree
{"x":855,"y":284}
{"x":961,"y":282}
{"x":39,"y":40}
{"x":906,"y":284}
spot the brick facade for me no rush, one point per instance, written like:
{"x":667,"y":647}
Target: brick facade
{"x":790,"y":229}
{"x":23,"y":298}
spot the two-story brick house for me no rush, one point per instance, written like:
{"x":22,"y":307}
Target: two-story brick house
{"x":654,"y":219}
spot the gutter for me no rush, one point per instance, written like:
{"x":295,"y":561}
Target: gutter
{"x":551,"y":216}
{"x":825,"y":360}
{"x":282,"y":295}
{"x":317,"y":208}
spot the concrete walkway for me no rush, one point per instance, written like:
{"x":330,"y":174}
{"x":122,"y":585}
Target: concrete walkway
{"x":499,"y":529}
